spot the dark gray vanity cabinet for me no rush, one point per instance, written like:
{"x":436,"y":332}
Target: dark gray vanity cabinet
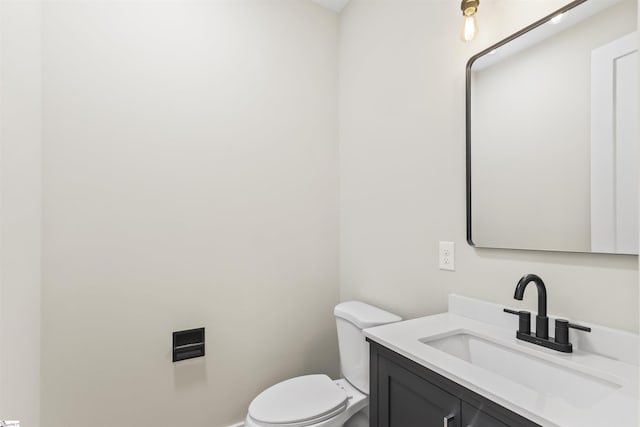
{"x":407,"y":400}
{"x":472,"y":416}
{"x":406,"y":394}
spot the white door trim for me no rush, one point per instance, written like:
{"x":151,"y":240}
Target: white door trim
{"x":603,"y":143}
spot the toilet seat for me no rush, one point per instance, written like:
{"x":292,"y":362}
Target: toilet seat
{"x":299,"y":402}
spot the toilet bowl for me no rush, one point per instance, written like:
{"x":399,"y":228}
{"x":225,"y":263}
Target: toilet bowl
{"x":307,"y":401}
{"x":317,"y":400}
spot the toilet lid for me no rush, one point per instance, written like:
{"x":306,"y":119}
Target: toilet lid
{"x":299,"y":399}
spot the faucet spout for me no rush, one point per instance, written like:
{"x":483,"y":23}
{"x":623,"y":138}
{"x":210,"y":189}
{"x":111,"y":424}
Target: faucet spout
{"x":542,"y":292}
{"x":542,"y":322}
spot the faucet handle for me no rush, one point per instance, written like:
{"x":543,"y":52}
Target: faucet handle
{"x":562,"y":330}
{"x":579,"y":327}
{"x":524,"y":324}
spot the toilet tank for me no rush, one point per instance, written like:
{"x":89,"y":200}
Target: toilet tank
{"x":351,"y":318}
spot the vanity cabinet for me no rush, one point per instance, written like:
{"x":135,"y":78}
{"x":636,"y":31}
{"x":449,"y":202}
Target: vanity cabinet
{"x":406,"y":394}
{"x":406,"y":400}
{"x":472,"y":416}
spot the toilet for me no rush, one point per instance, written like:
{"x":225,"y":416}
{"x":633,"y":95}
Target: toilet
{"x":317,"y":400}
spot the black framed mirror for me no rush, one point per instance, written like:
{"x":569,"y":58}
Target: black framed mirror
{"x":552,"y":134}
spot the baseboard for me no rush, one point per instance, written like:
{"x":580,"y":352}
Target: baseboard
{"x":237,"y":425}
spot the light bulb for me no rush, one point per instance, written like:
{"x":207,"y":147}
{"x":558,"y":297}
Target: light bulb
{"x":469,"y":28}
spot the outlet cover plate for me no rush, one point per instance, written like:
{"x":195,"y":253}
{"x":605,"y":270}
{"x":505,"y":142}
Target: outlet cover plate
{"x":447,"y":258}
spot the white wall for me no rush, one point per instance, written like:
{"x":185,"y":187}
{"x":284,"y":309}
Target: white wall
{"x":402,"y":169}
{"x":20,"y":210}
{"x":190,"y":179}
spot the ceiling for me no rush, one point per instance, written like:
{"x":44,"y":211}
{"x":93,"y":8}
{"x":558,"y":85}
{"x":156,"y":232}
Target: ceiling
{"x":335,"y":5}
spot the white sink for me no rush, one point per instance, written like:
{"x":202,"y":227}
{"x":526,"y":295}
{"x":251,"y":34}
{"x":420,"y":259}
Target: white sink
{"x":578,"y":388}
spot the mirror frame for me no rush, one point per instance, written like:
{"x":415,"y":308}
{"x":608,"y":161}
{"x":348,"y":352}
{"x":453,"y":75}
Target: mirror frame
{"x":475,"y":57}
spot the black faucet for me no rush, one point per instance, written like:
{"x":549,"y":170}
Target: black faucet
{"x":561,"y":340}
{"x":542,"y":321}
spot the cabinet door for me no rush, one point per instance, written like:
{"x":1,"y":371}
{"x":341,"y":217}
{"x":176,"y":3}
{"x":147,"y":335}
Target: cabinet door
{"x":474,"y":417}
{"x":406,"y":400}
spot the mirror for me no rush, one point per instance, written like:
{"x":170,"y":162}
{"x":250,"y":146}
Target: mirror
{"x":552,"y":134}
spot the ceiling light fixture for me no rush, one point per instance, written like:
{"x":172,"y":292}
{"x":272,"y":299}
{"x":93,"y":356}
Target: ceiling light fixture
{"x":470,"y":25}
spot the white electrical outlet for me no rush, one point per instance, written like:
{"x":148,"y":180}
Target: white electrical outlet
{"x":447,"y":256}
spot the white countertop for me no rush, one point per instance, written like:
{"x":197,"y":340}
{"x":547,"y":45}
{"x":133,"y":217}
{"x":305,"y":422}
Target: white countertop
{"x":619,"y":365}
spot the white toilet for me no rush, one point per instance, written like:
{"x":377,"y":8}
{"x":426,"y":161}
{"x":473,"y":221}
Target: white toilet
{"x":317,"y":400}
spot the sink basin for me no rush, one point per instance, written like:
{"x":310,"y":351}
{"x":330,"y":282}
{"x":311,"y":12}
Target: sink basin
{"x":578,"y":388}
